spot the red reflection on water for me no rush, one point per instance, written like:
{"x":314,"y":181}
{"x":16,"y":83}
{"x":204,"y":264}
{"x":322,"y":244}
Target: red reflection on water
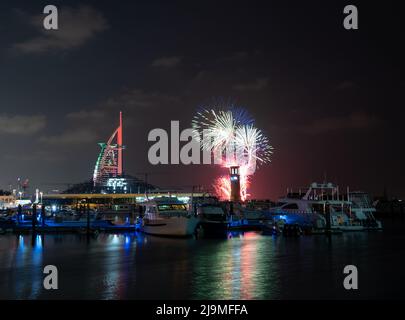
{"x":248,"y":264}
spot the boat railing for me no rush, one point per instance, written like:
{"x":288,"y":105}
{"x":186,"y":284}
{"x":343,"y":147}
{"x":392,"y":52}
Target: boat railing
{"x":292,"y":211}
{"x":169,"y":214}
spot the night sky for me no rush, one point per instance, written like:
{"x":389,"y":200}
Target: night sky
{"x":330,"y":99}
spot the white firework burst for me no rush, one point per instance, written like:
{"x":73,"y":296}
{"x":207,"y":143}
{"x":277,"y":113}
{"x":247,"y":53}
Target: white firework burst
{"x":252,"y":145}
{"x":216,"y":129}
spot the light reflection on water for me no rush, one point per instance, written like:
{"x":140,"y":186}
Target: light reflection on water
{"x":27,"y":258}
{"x":116,"y":266}
{"x":237,"y":268}
{"x":244,"y":266}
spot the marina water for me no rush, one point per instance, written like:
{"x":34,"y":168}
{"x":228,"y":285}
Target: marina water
{"x":243,"y":266}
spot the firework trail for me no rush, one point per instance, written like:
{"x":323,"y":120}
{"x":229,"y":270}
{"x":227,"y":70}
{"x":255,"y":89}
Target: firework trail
{"x":222,"y":187}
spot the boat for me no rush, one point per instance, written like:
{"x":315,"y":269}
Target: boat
{"x":322,"y":207}
{"x":297,"y":211}
{"x":213,"y":220}
{"x":168,"y":216}
{"x":363,"y":210}
{"x":119,"y":214}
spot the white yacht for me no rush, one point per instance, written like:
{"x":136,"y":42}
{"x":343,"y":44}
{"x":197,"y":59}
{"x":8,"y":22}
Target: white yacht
{"x":168,"y":216}
{"x":313,"y":206}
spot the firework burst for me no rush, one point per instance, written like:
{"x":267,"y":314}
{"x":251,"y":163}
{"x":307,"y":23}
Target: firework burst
{"x":232,"y":135}
{"x":215,"y":128}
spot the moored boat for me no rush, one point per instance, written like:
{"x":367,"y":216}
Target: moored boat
{"x":213,"y":220}
{"x":322,"y":207}
{"x":168,"y":216}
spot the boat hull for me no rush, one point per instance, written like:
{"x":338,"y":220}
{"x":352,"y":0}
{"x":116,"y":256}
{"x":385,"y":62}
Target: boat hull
{"x":173,"y":226}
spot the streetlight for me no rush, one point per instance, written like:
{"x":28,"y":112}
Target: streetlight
{"x":41,"y":194}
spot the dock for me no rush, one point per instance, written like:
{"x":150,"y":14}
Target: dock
{"x":68,"y":227}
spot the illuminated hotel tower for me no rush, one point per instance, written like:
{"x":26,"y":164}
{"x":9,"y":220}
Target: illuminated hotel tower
{"x":235,"y":183}
{"x":109,"y":162}
{"x":120,"y":146}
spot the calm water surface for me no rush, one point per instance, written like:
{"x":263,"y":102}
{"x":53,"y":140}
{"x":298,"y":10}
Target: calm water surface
{"x":245,"y":266}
